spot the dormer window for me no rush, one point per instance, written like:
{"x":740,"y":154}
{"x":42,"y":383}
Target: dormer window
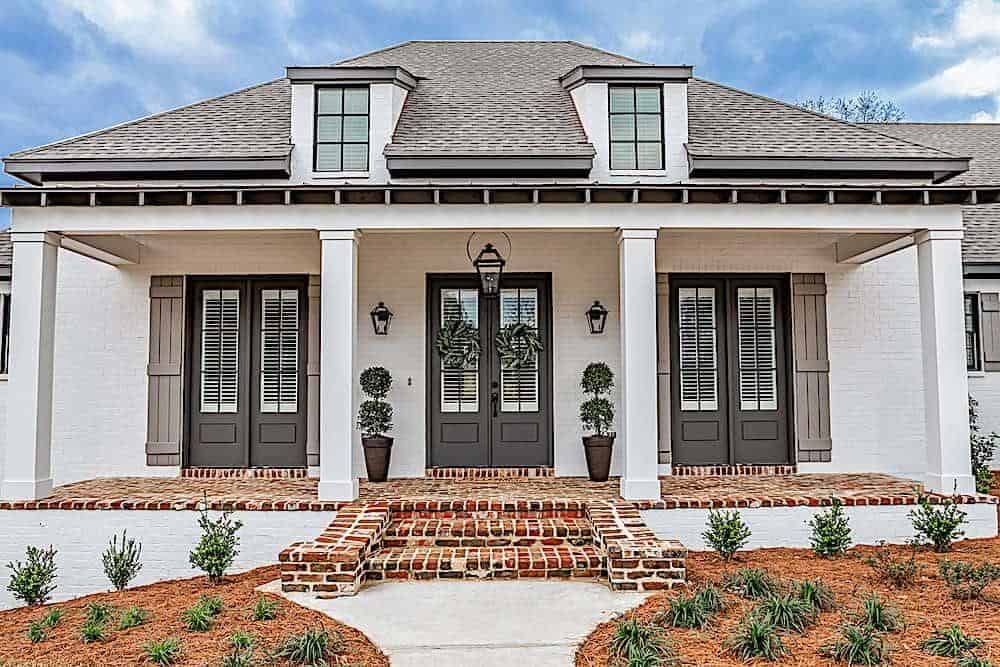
{"x":635,"y":117}
{"x":341,"y":128}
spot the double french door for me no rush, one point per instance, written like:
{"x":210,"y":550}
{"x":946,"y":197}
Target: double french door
{"x":483,"y":412}
{"x":729,"y":380}
{"x":247,"y":373}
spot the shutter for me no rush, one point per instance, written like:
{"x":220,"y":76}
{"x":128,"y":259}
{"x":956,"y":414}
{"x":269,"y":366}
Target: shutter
{"x":279,"y":354}
{"x":220,"y":351}
{"x":758,"y":374}
{"x":812,"y":368}
{"x":312,"y":374}
{"x":663,"y":366}
{"x":989,"y":327}
{"x":519,"y":386}
{"x":460,"y":386}
{"x":697,"y":335}
{"x":166,"y":348}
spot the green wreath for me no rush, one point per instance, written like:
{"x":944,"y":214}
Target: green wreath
{"x":458,"y":344}
{"x":518,"y":346}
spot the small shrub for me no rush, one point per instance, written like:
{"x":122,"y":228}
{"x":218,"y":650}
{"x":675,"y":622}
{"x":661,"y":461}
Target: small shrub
{"x":242,"y":640}
{"x":100,"y":613}
{"x":33,"y":581}
{"x":51,"y":619}
{"x":878,"y":614}
{"x":939,"y":525}
{"x":92,"y":631}
{"x":265,"y":609}
{"x":311,"y":647}
{"x":816,"y":594}
{"x":950,"y":642}
{"x":967,"y":581}
{"x":687,"y":611}
{"x":972,"y":660}
{"x":36,"y":632}
{"x":710,"y":597}
{"x":857,"y":645}
{"x":122,"y":563}
{"x":755,"y":638}
{"x":638,"y":644}
{"x":197,"y":618}
{"x":163,"y":652}
{"x":212,"y":604}
{"x":895,"y":571}
{"x":132,"y":617}
{"x":218,"y":546}
{"x":787,"y":612}
{"x":751,"y":583}
{"x":831,"y":532}
{"x":982,"y":447}
{"x":726,"y":532}
{"x":237,"y":658}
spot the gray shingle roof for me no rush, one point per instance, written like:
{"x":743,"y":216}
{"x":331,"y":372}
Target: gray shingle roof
{"x":489,"y":98}
{"x":250,"y":123}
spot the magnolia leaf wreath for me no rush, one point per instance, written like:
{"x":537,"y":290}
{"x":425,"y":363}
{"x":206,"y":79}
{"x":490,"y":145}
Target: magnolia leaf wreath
{"x":518,"y":346}
{"x":458,"y":344}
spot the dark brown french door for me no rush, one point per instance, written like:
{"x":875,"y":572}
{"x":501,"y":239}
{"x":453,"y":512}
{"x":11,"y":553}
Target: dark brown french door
{"x":729,"y":372}
{"x":247,"y":376}
{"x":485,"y":414}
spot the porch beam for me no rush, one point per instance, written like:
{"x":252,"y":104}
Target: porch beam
{"x":116,"y":250}
{"x":863,"y":248}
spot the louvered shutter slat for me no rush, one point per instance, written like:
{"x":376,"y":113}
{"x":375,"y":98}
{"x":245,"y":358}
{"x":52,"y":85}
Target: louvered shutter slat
{"x":758,"y":374}
{"x":699,"y":380}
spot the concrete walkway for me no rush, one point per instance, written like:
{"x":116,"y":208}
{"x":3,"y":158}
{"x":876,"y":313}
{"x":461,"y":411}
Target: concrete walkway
{"x":486,"y":624}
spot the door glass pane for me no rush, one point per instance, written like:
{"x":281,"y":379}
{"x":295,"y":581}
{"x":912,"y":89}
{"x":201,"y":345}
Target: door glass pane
{"x":699,"y":371}
{"x":220,"y":351}
{"x":519,"y":386}
{"x":460,"y":383}
{"x":279,"y":351}
{"x":758,"y":374}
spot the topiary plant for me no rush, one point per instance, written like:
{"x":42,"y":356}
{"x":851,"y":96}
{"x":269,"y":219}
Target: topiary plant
{"x":375,"y":414}
{"x":598,"y":412}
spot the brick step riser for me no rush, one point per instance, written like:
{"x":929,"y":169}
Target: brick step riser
{"x":489,"y":514}
{"x":507,"y":541}
{"x":487,"y":574}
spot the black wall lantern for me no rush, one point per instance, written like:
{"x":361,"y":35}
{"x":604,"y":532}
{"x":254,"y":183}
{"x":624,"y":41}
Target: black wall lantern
{"x":597,"y":316}
{"x":381,"y":317}
{"x":489,"y":264}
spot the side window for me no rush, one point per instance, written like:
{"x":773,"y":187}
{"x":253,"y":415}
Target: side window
{"x":341,"y":128}
{"x":973,"y":340}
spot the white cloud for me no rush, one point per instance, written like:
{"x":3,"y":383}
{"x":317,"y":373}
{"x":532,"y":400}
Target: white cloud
{"x":975,"y":21}
{"x":640,"y":41}
{"x":986,"y":116}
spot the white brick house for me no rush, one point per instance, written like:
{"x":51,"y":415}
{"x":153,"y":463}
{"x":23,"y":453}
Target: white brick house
{"x":782,"y":288}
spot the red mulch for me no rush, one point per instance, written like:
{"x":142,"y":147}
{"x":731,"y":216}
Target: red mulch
{"x":925,"y":606}
{"x":165,"y":601}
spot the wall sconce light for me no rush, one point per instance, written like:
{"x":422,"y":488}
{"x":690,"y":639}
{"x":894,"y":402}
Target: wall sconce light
{"x":597,"y":316}
{"x":381,"y":317}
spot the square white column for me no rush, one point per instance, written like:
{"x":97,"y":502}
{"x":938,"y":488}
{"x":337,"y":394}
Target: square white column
{"x":946,"y":386}
{"x":339,"y":336}
{"x":27,"y":469}
{"x":638,"y":421}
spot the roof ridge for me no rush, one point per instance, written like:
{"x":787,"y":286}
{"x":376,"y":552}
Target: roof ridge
{"x":606,"y":52}
{"x":859,"y":126}
{"x":62,"y":142}
{"x":952,"y":123}
{"x":376,"y":51}
{"x":491,"y":41}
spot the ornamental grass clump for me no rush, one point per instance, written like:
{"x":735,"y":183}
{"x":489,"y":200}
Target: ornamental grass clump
{"x":163,"y":652}
{"x":939,"y":525}
{"x":972,"y":660}
{"x":726,"y":532}
{"x":786,"y":612}
{"x":310,"y":647}
{"x":876,"y":613}
{"x":264,"y":609}
{"x":132,"y":617}
{"x":950,"y":642}
{"x":816,"y":594}
{"x":37,"y":632}
{"x":857,"y":645}
{"x":755,"y":638}
{"x":831,"y":532}
{"x":33,"y":581}
{"x":710,"y":597}
{"x":967,"y":581}
{"x":751,"y":583}
{"x":686,"y":611}
{"x":99,"y":612}
{"x":198,"y":618}
{"x":218,"y":546}
{"x":122,"y":562}
{"x":896,"y":571}
{"x":639,"y":644}
{"x":93,"y":631}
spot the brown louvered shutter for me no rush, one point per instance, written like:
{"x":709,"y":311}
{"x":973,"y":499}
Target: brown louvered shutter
{"x":812,"y":368}
{"x":989,"y":330}
{"x":166,"y":349}
{"x":312,"y":373}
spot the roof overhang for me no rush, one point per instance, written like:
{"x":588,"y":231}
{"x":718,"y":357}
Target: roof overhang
{"x":939,"y":168}
{"x":352,"y":75}
{"x":494,"y":165}
{"x":37,"y":171}
{"x":625,"y":74}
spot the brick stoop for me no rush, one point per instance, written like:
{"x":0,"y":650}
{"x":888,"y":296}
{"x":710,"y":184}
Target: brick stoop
{"x":417,"y":563}
{"x":466,"y":532}
{"x":637,"y":560}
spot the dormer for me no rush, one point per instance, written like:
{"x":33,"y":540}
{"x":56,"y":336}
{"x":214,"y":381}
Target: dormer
{"x":636,"y":117}
{"x":342,"y":120}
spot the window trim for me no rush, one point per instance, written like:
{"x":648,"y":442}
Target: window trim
{"x":635,"y":140}
{"x":977,"y":321}
{"x":316,"y":142}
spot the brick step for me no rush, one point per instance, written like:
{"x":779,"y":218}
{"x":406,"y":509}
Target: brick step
{"x":546,"y":562}
{"x":489,"y":514}
{"x":466,"y":532}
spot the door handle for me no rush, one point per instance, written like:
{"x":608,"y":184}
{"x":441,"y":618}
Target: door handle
{"x":495,"y":400}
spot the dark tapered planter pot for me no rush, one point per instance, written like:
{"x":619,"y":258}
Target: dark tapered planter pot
{"x":378,"y":451}
{"x":598,"y":450}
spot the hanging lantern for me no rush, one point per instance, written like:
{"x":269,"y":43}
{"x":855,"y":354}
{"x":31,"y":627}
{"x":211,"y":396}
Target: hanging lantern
{"x":381,"y":317}
{"x":489,"y":265}
{"x":597,"y":316}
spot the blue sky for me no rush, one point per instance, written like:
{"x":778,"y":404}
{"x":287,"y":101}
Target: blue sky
{"x":76,"y":65}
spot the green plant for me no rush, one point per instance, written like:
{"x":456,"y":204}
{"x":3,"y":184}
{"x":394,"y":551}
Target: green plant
{"x":197,"y":618}
{"x":51,"y":619}
{"x":897,"y":572}
{"x":238,"y":658}
{"x":857,"y":645}
{"x":751,"y":583}
{"x":212,"y":604}
{"x":122,"y":563}
{"x":972,"y":660}
{"x":726,"y":532}
{"x":458,"y":342}
{"x":982,"y":446}
{"x":950,"y":642}
{"x":598,"y":412}
{"x":93,"y":631}
{"x":99,"y":612}
{"x":33,"y":581}
{"x":518,"y":345}
{"x":877,"y":614}
{"x":831,"y":531}
{"x":132,"y":617}
{"x":816,"y":594}
{"x":36,"y":632}
{"x":687,"y":611}
{"x":755,"y":638}
{"x":217,"y":548}
{"x":163,"y":652}
{"x":638,"y":644}
{"x":310,"y":647}
{"x":787,"y":612}
{"x":710,"y":598}
{"x":967,"y":581}
{"x":375,"y":414}
{"x":264,"y":609}
{"x":939,"y":525}
{"x":242,"y":640}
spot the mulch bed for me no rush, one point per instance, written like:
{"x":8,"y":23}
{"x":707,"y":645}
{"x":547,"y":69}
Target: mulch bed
{"x":925,"y":606}
{"x":165,"y":602}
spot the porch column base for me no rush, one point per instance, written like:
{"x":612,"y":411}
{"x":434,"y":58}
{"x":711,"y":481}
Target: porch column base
{"x":345,"y":490}
{"x":640,"y":489}
{"x":951,"y":484}
{"x":26,"y":490}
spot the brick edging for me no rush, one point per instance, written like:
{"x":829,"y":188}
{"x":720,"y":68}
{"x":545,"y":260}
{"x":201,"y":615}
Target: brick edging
{"x":806,"y":501}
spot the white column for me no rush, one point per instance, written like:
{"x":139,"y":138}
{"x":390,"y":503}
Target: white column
{"x":27,"y":470}
{"x":638,"y":435}
{"x":339,"y":335}
{"x":946,"y":386}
